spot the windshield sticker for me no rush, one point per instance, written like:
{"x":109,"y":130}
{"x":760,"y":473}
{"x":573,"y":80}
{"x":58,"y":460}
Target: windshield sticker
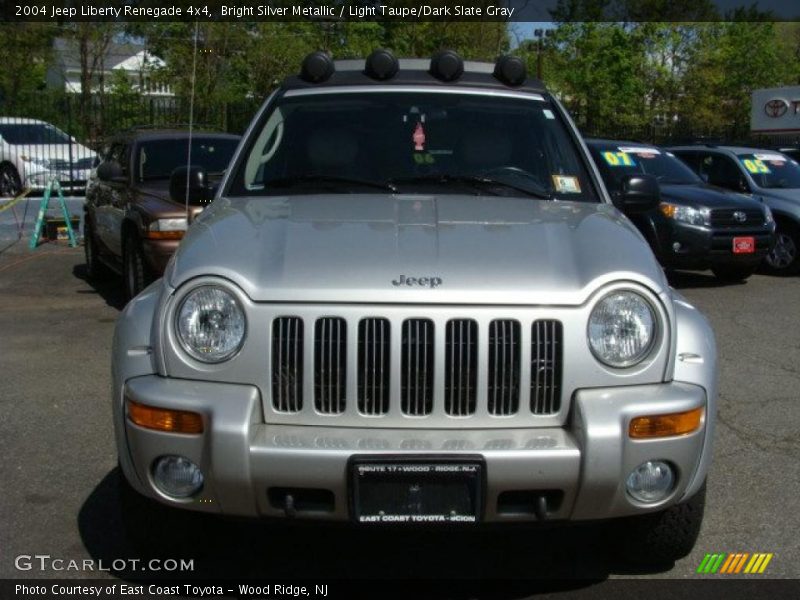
{"x":618,"y":159}
{"x":639,"y":151}
{"x":424,"y":158}
{"x":771,"y":157}
{"x":566,"y":184}
{"x":548,"y":113}
{"x":755,"y":166}
{"x":419,"y":138}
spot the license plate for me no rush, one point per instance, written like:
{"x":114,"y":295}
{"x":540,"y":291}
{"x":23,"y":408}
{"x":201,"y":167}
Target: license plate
{"x":744,"y":245}
{"x":416,"y":492}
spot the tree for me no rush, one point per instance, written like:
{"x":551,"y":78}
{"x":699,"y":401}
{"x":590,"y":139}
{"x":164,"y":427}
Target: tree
{"x":26,"y":50}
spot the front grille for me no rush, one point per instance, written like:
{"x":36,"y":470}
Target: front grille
{"x":287,"y":364}
{"x":374,"y":343}
{"x":546,"y":363}
{"x":434,"y":369}
{"x":330,"y":362}
{"x":461,"y":367}
{"x":504,"y":371}
{"x":723,"y":218}
{"x":416,"y":369}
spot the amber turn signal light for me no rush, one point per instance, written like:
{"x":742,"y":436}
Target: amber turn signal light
{"x":164,"y":419}
{"x":656,"y":426}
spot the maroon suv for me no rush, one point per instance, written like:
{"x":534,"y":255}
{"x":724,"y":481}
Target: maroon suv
{"x":143,"y":196}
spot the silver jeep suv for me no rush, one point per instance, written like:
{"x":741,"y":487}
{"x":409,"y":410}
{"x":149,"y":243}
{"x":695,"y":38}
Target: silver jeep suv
{"x":413,"y":302}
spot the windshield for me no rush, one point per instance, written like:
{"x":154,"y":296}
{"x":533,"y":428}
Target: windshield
{"x":32,"y":134}
{"x":771,"y":170}
{"x":617,"y":160}
{"x":157,"y":159}
{"x":413,"y":143}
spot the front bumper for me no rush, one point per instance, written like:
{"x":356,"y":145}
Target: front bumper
{"x":694,"y":247}
{"x":244,"y":459}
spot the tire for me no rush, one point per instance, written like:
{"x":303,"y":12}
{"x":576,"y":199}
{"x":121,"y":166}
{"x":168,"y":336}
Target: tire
{"x":10,"y":185}
{"x":665,"y":536}
{"x":785,"y":257}
{"x":95,"y":269}
{"x":154,"y":529}
{"x":733,"y":273}
{"x":135,"y":273}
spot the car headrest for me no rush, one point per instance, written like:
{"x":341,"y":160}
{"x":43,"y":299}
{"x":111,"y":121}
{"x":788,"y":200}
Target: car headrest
{"x":331,"y":148}
{"x":485,"y":147}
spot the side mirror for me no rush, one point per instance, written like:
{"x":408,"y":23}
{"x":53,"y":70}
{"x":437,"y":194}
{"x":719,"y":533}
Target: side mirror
{"x":638,"y":194}
{"x":199,"y":191}
{"x":110,"y":171}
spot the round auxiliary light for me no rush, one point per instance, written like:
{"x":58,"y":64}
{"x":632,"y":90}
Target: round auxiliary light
{"x":317,"y":67}
{"x":651,"y":481}
{"x":381,"y":65}
{"x":510,"y":70}
{"x":447,"y":65}
{"x":177,"y":476}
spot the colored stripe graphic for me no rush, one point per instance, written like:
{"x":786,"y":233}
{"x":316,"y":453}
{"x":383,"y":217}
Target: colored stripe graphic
{"x":733,"y":563}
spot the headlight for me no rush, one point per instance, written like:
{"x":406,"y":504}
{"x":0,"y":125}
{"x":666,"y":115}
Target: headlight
{"x":211,"y":325}
{"x":622,"y":329}
{"x":685,"y":214}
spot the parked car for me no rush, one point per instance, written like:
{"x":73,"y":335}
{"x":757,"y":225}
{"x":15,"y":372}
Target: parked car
{"x":767,"y":176}
{"x":696,"y":225}
{"x":136,"y":212}
{"x":413,"y":302}
{"x":32,"y":153}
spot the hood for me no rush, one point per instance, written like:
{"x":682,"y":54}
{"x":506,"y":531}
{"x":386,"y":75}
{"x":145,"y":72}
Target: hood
{"x":53,"y":151}
{"x":789,"y":194}
{"x":415,"y":249}
{"x":706,"y":195}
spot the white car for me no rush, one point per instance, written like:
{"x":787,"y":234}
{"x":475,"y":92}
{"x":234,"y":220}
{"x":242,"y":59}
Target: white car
{"x":33,"y":152}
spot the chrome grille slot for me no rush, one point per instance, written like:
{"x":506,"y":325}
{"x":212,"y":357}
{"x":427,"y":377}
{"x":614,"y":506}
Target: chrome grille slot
{"x":417,"y":367}
{"x":330,"y":360}
{"x":546,"y":361}
{"x":461,"y":362}
{"x":724,"y":217}
{"x":287,"y":364}
{"x":504,"y":367}
{"x":374,"y":339}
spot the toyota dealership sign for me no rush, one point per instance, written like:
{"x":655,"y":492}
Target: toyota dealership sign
{"x":776,"y":110}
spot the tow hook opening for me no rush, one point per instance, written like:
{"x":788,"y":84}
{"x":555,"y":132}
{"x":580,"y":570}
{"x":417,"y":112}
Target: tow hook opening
{"x":294,"y":501}
{"x":539,"y":503}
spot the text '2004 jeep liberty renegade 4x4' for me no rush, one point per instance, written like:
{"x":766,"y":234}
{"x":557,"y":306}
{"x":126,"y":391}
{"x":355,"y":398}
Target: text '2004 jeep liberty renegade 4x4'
{"x":412,"y":301}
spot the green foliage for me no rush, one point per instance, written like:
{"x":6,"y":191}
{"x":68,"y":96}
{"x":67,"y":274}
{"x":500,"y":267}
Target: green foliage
{"x":26,"y":50}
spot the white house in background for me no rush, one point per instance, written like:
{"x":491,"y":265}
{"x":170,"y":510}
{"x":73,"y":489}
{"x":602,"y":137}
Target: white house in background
{"x":133,"y":60}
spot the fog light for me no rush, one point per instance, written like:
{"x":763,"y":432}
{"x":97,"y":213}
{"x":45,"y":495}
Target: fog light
{"x":651,"y":481}
{"x":177,"y":476}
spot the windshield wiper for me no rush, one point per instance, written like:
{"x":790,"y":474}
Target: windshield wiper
{"x":329,"y":180}
{"x":475,"y":181}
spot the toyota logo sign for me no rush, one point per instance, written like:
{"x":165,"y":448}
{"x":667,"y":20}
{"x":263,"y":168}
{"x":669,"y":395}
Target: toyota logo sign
{"x":776,"y":108}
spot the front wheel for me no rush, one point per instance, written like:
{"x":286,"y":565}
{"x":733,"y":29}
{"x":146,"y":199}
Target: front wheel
{"x":784,"y":259}
{"x":10,"y":185}
{"x":135,"y":272}
{"x":665,"y":536}
{"x":733,"y":273}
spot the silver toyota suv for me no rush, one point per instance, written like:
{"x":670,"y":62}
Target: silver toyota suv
{"x":412,"y":301}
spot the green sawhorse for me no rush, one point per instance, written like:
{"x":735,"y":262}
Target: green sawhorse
{"x":37,"y":231}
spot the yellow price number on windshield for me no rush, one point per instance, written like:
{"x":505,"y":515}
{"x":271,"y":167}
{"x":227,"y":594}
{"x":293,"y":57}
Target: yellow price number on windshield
{"x":618,"y":159}
{"x":755,"y":165}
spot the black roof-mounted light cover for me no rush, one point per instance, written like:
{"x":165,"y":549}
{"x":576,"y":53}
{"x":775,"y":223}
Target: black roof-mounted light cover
{"x":317,"y":67}
{"x":381,"y":65}
{"x":511,"y":70}
{"x":447,"y":65}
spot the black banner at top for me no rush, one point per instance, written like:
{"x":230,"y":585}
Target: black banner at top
{"x":69,"y":11}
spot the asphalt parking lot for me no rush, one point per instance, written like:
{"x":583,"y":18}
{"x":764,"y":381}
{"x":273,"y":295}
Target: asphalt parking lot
{"x":59,"y":478}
